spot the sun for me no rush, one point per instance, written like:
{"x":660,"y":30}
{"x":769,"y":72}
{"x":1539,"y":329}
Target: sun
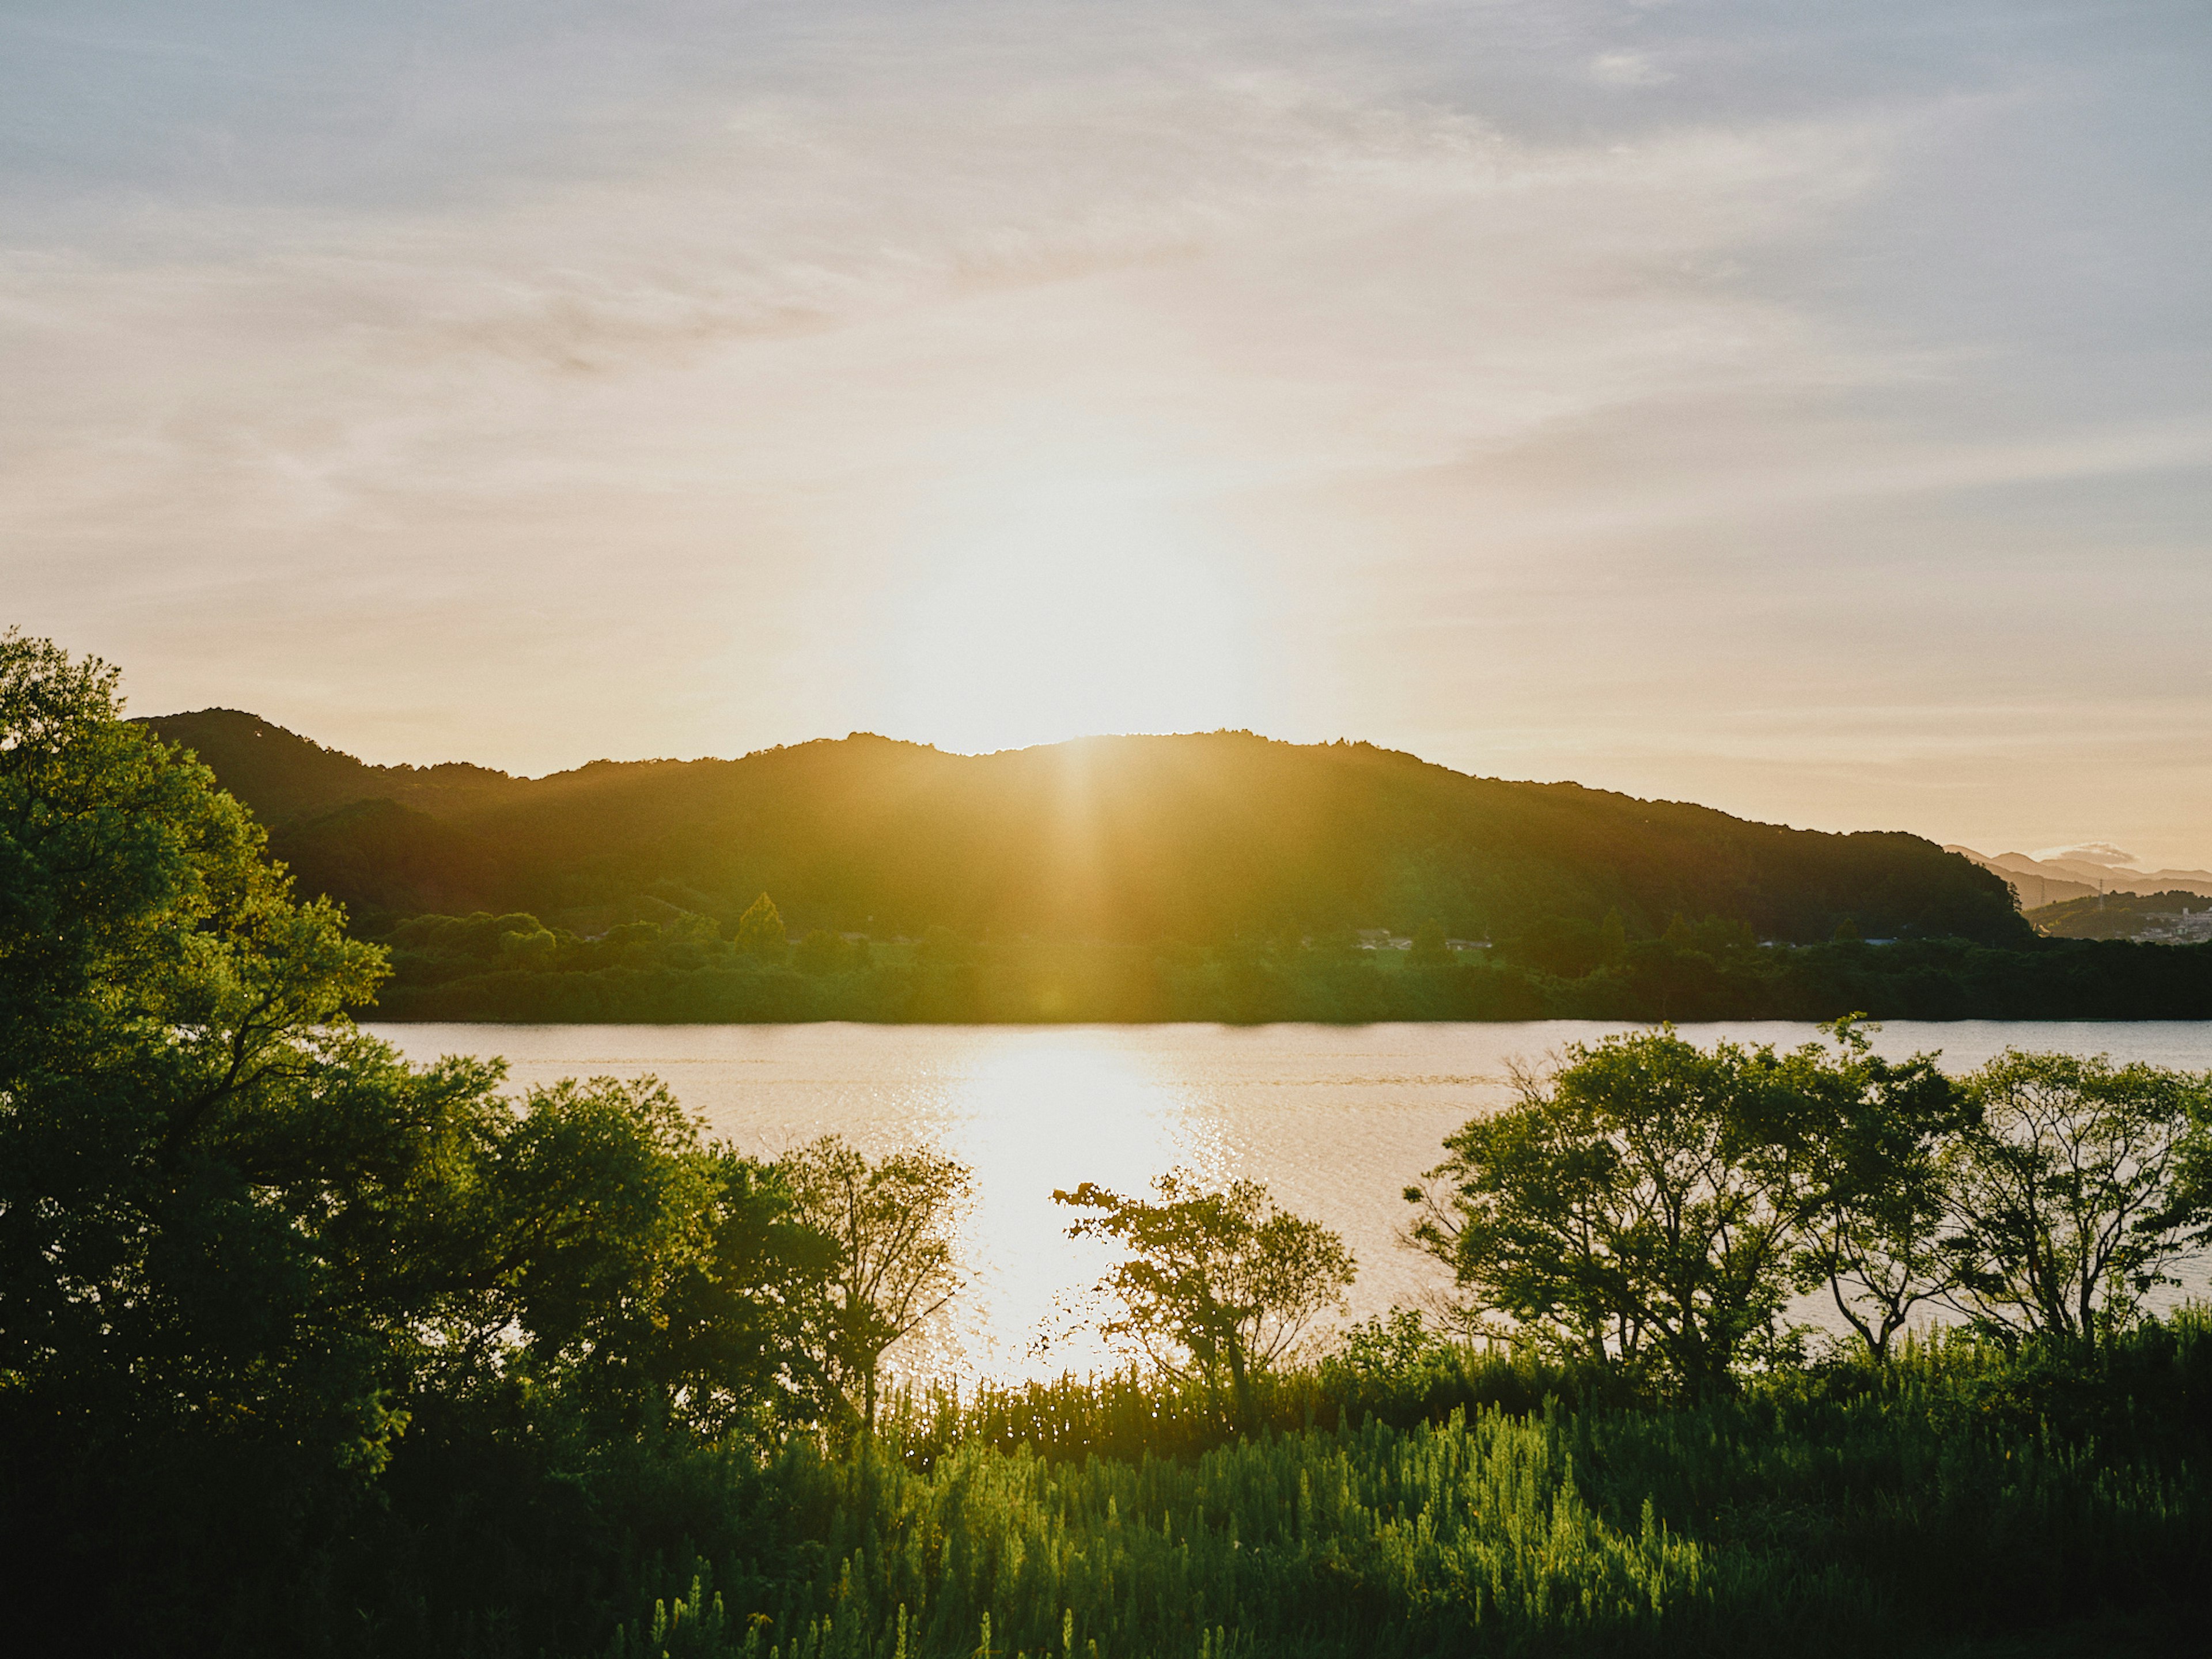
{"x":1073,"y":610}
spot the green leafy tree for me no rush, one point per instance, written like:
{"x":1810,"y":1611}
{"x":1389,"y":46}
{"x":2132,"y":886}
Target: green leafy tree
{"x":821,"y":953}
{"x":1870,"y":1190}
{"x":249,"y":1257}
{"x":1640,"y":1204}
{"x":1392,"y":1354}
{"x":2071,"y":1198}
{"x":165,"y":1014}
{"x":760,"y":931}
{"x":1612,"y":939}
{"x":890,"y":1221}
{"x":748,"y":1317}
{"x":597,"y":1197}
{"x":216,"y":1198}
{"x":1218,"y":1286}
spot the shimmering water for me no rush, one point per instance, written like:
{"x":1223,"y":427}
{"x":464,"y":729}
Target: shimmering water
{"x":1336,"y":1119}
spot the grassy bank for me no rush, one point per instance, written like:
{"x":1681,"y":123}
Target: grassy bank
{"x":1959,"y":1495}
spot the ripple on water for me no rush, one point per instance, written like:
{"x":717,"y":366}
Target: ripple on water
{"x":1336,"y":1119}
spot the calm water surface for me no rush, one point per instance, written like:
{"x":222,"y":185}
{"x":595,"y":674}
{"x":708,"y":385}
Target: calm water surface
{"x":1336,"y":1119}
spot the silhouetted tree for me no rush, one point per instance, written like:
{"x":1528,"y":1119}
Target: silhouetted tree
{"x":1874,"y":1195}
{"x":2069,"y":1197}
{"x":249,"y":1257}
{"x":1219,"y":1285}
{"x":891,"y":1220}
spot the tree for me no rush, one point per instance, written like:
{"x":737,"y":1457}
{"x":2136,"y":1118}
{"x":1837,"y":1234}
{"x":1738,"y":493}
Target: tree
{"x":748,"y":1317}
{"x":1429,"y":949}
{"x":1612,"y":939}
{"x":161,"y":997}
{"x":825,"y":952}
{"x":890,"y":1222}
{"x":760,"y":930}
{"x":2069,"y":1198}
{"x":1218,"y":1286}
{"x":249,"y":1257}
{"x":1640,"y":1204}
{"x":196,"y":1153}
{"x":1874,"y":1203}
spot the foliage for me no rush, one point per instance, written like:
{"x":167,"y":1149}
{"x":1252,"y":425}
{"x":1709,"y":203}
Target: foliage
{"x":178,"y":1096}
{"x":674,"y":967}
{"x":1873,"y":1193}
{"x":1218,"y":1285}
{"x":1653,"y":1203}
{"x":254,"y":1267}
{"x":890,"y":1220}
{"x":760,"y":930}
{"x":2067,"y":1197}
{"x":1640,"y":1203}
{"x":821,"y":953}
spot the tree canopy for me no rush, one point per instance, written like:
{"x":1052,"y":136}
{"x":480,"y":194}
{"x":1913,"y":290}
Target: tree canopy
{"x":251,"y":1260}
{"x":1218,"y":1284}
{"x":2077,"y":1191}
{"x":1653,"y":1205}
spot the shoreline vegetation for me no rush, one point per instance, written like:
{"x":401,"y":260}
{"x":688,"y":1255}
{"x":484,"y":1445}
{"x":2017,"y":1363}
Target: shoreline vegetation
{"x":688,"y":969}
{"x":307,"y":1350}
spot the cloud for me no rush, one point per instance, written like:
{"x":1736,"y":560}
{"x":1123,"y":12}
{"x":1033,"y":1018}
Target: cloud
{"x":2095,"y":851}
{"x":1628,"y":68}
{"x":420,"y":374}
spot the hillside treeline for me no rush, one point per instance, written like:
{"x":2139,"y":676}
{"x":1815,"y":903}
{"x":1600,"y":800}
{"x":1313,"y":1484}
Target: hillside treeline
{"x":306,"y":1349}
{"x":513,"y":967}
{"x":1198,"y":839}
{"x":2116,"y":915}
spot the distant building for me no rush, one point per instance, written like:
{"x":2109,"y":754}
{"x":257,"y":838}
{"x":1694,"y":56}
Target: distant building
{"x":1382,"y":938}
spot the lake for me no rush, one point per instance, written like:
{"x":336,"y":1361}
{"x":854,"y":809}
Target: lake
{"x":1334,"y":1120}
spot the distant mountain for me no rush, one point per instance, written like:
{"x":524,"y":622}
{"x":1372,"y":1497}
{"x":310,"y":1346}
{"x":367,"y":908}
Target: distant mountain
{"x":1199,"y":837}
{"x":2056,"y":879}
{"x":2173,"y":917}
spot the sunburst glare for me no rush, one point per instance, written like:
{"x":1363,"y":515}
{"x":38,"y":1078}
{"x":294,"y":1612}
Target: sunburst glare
{"x":1071,"y":609}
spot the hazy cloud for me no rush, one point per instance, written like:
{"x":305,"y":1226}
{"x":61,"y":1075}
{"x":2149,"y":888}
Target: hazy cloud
{"x":1627,"y":69}
{"x":1821,"y":431}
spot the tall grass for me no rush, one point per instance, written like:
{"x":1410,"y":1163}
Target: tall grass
{"x":1134,"y":1414}
{"x":1960,"y":1491}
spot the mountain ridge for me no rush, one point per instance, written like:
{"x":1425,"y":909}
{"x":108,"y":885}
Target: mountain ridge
{"x":2045,"y":881}
{"x":1198,"y":836}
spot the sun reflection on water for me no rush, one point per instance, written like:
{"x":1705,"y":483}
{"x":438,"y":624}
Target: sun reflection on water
{"x":1048,"y":1111}
{"x":1335,"y":1121}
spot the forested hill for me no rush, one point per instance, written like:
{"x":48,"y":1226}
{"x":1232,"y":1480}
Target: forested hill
{"x":285,"y":777}
{"x":1197,"y":837}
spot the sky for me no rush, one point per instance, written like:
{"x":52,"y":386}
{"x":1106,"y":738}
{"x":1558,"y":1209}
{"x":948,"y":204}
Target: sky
{"x":1801,"y":409}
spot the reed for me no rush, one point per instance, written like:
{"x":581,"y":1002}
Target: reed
{"x":1835,"y":1510}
